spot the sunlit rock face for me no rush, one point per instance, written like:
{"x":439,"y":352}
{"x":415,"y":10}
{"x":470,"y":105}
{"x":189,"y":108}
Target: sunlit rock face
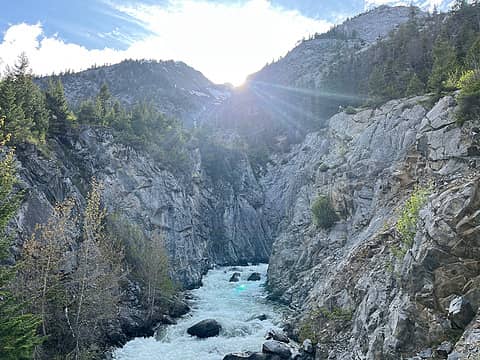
{"x":369,"y":163}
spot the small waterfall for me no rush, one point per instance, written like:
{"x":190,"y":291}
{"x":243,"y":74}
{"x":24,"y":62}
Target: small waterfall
{"x":233,"y":304}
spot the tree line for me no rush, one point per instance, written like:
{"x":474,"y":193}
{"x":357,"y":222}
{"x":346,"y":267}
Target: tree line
{"x":33,"y":116}
{"x":437,"y":54}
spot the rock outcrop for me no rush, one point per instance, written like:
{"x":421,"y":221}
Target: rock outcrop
{"x":354,"y":288}
{"x":201,"y":226}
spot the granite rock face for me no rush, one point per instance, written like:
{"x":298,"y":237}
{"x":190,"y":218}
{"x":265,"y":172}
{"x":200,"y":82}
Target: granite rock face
{"x":366,"y":299}
{"x":204,"y":223}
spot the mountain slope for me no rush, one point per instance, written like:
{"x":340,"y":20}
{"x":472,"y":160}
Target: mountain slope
{"x":286,"y":99}
{"x":174,"y":88}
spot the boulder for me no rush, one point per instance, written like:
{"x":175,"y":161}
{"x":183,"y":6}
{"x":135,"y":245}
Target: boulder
{"x":205,"y":329}
{"x":426,"y":354}
{"x":307,"y":346}
{"x":460,"y":312}
{"x":443,"y":350}
{"x":255,"y":277}
{"x":235,"y":277}
{"x":278,"y":348}
{"x":454,"y":356}
{"x":278,"y":336}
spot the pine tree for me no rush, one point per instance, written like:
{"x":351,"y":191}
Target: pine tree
{"x":444,"y":63}
{"x":103,"y":99}
{"x":18,"y":329}
{"x":31,"y":100}
{"x":15,"y":124}
{"x":88,"y":113}
{"x":61,"y":117}
{"x":23,"y":105}
{"x":415,"y":86}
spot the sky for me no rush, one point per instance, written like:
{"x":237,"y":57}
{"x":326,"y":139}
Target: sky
{"x":224,"y":39}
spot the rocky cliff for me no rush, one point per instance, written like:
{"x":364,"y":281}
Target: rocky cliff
{"x":205,"y":222}
{"x":353,"y":290}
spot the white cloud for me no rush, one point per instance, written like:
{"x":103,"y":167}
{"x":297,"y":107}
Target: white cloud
{"x":49,"y":54}
{"x":226,"y":42}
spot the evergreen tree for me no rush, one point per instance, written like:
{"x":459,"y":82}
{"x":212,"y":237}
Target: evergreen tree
{"x":415,"y":86}
{"x":444,"y":62}
{"x":23,"y":105}
{"x":103,"y":99}
{"x":18,"y":329}
{"x":89,"y":113}
{"x":61,"y":117}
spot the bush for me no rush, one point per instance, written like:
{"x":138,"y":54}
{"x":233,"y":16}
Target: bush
{"x":469,"y":97}
{"x":324,"y":214}
{"x":407,"y":223}
{"x":350,"y":110}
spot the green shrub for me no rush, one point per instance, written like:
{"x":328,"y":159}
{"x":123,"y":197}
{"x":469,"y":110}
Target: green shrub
{"x":350,"y":110}
{"x":407,"y":223}
{"x":324,"y":214}
{"x":311,"y":327}
{"x":469,"y":97}
{"x":337,"y":313}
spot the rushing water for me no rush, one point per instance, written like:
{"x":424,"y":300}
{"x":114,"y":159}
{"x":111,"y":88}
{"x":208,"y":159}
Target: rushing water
{"x":233,"y":305}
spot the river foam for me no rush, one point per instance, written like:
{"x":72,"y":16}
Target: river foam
{"x":233,"y":305}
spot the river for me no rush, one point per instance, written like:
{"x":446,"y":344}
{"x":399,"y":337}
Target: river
{"x":233,"y":304}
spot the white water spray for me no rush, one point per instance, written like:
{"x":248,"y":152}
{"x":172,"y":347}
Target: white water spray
{"x":234,"y":305}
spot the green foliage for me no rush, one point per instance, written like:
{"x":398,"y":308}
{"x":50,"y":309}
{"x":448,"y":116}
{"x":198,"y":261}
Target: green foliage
{"x":469,"y":98}
{"x":407,"y":222}
{"x":312,"y":326}
{"x":350,"y":110}
{"x":22,"y":104}
{"x":324,"y":214}
{"x":147,"y":257}
{"x":142,"y":127}
{"x":307,"y":331}
{"x":18,"y":329}
{"x":424,"y":54}
{"x":415,"y":86}
{"x":61,"y":118}
{"x":444,"y":65}
{"x":337,"y":313}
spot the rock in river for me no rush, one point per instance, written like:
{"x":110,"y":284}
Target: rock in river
{"x":205,"y":329}
{"x":235,"y":277}
{"x":277,"y":348}
{"x":254,"y":277}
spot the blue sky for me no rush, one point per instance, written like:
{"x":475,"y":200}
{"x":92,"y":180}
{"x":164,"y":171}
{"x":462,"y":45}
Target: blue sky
{"x":225,"y":39}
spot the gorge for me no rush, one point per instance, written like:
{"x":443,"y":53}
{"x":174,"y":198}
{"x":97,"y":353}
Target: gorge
{"x":256,"y":161}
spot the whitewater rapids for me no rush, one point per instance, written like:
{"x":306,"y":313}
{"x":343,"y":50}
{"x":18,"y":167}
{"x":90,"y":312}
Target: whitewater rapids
{"x":234,"y":305}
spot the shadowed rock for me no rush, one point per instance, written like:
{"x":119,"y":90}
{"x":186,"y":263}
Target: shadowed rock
{"x":205,"y":329}
{"x":277,"y":348}
{"x":254,"y":277}
{"x":460,"y":312}
{"x":235,"y":277}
